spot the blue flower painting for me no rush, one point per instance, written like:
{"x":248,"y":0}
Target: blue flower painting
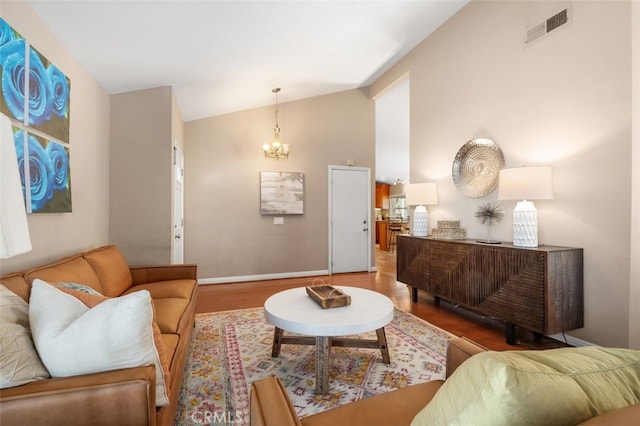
{"x":36,"y":95}
{"x":44,"y":85}
{"x":49,"y":92}
{"x":44,"y":173}
{"x":60,"y":92}
{"x":13,"y":72}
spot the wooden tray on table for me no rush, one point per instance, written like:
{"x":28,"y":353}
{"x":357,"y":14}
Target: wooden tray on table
{"x":328,"y":296}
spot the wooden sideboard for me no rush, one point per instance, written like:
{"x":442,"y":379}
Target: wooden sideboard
{"x":539,"y":289}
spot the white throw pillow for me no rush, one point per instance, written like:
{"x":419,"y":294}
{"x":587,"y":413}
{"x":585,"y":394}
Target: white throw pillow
{"x":73,"y":339}
{"x":19,"y":361}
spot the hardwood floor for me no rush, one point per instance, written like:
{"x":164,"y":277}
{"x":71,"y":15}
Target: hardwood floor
{"x":487,"y":332}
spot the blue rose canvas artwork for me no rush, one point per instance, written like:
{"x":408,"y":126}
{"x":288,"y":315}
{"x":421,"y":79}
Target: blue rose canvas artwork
{"x":45,"y":173}
{"x":35,"y":94}
{"x":49,"y":91}
{"x":13,"y":72}
{"x":26,"y":73}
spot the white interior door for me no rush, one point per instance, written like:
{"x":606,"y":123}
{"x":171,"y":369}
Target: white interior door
{"x":177,"y":251}
{"x":349,"y":219}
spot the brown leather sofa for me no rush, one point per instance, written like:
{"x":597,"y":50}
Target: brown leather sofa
{"x":271,"y":406}
{"x":119,"y":397}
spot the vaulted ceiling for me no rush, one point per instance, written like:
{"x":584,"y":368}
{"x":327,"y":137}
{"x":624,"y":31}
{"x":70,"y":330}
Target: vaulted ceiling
{"x":226,"y":56}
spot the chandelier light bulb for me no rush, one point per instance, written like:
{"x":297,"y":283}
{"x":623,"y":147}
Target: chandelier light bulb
{"x":276,"y":149}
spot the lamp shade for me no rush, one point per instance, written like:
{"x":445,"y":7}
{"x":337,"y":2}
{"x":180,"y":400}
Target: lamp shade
{"x":525,"y":183}
{"x":421,"y":194}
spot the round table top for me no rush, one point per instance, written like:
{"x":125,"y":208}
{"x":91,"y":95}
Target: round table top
{"x":295,"y":311}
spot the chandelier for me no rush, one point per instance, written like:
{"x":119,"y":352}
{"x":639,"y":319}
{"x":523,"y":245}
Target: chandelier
{"x":275,"y":148}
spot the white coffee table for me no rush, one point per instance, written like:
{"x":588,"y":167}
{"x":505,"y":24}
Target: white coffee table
{"x":294,"y":311}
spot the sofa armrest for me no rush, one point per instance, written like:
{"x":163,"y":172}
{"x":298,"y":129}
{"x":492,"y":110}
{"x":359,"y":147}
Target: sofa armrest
{"x":119,"y":397}
{"x":459,"y":350}
{"x":629,"y":415}
{"x":270,"y":404}
{"x":151,"y":274}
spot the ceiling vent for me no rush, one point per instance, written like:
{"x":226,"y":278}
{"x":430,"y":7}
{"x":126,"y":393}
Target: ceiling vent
{"x":547,"y":26}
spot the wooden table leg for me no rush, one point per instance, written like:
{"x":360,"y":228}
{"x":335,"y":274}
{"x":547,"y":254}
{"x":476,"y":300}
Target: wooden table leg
{"x":384,"y":349}
{"x":323,"y":347}
{"x":277,"y":341}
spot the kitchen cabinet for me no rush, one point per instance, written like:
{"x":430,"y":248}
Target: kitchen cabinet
{"x":381,"y":234}
{"x":382,"y":196}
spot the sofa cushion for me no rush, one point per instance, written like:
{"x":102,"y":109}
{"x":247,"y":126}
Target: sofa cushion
{"x":170,"y":341}
{"x":74,"y":339}
{"x":17,"y":284}
{"x":169,"y":312}
{"x":19,"y":361}
{"x":557,"y":386}
{"x":165,"y":289}
{"x":78,"y":288}
{"x":72,"y":269}
{"x":111,"y":268}
{"x":92,"y":298}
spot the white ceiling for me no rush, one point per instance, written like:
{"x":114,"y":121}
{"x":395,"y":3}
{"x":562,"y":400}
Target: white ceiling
{"x":226,"y":56}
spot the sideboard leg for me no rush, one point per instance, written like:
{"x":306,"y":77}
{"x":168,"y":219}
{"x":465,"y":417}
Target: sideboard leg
{"x":511,"y":333}
{"x":414,"y":294}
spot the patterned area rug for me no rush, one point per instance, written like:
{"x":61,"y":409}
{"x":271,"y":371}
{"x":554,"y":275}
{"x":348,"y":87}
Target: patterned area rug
{"x":232,"y":349}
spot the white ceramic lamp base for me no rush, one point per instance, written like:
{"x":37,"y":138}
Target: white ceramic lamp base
{"x":420,"y":222}
{"x":525,"y":225}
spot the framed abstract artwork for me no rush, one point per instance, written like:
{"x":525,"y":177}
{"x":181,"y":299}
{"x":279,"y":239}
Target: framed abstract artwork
{"x":281,"y":193}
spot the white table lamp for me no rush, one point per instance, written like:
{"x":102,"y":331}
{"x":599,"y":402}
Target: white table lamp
{"x":525,"y":184}
{"x":421,"y":195}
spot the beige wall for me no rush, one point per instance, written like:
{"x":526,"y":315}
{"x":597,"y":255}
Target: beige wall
{"x":54,"y":235}
{"x":563,"y":101}
{"x":224,"y":231}
{"x":634,"y":290}
{"x":141,"y":174}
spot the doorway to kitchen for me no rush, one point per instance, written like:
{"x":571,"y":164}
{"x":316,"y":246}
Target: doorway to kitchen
{"x":392,"y":136}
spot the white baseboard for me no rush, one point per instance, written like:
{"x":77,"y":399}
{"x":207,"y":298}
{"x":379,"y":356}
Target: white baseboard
{"x":263,"y":277}
{"x":573,"y":341}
